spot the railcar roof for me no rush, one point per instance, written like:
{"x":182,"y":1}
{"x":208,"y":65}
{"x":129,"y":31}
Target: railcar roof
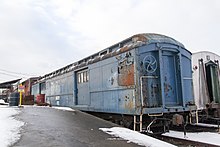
{"x":134,"y":41}
{"x":206,"y":52}
{"x":8,"y":83}
{"x":152,"y":38}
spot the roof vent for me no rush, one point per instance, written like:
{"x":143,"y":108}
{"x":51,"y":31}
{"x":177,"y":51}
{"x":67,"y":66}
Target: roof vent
{"x":208,"y":57}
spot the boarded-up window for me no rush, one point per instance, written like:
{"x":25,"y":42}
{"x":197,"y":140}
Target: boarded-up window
{"x":83,"y":77}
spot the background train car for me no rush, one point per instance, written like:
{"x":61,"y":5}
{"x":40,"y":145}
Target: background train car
{"x":27,"y":98}
{"x":38,"y":90}
{"x":206,"y":82}
{"x":146,"y":74}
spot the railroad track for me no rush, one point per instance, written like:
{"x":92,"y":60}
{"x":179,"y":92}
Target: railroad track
{"x":197,"y":128}
{"x":185,"y":142}
{"x":182,"y":142}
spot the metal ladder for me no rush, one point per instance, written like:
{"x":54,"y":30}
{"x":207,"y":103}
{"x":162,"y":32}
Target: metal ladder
{"x":138,"y":122}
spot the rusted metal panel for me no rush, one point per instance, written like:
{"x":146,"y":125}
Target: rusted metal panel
{"x":151,"y":92}
{"x":124,"y":49}
{"x":126,"y":75}
{"x":125,"y":70}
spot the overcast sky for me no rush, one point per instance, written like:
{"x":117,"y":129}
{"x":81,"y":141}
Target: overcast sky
{"x":40,"y":36}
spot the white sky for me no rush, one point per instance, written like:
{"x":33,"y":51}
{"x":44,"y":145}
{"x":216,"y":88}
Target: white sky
{"x":38,"y":36}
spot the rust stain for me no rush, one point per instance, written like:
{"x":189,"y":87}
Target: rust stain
{"x":124,"y":49}
{"x":151,"y":93}
{"x":128,"y":103}
{"x":106,"y":56}
{"x":126,"y":76}
{"x":167,"y":88}
{"x":139,"y":38}
{"x":154,"y":90}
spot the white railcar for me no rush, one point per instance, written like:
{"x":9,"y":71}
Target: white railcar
{"x":206,"y":80}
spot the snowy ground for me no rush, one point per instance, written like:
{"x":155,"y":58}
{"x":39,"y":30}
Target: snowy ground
{"x":64,"y":108}
{"x":10,"y":131}
{"x":206,"y":137}
{"x":131,"y":136}
{"x":135,"y":137}
{"x":9,"y":126}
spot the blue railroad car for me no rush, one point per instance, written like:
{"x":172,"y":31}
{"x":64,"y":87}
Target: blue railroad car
{"x":146,"y":74}
{"x":59,"y":90}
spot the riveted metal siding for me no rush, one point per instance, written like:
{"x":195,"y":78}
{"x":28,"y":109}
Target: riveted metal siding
{"x":59,"y":90}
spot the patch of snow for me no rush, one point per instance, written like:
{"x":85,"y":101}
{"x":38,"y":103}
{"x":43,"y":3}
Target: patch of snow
{"x":9,"y":126}
{"x":53,"y":107}
{"x":2,"y":102}
{"x":135,"y":137}
{"x":207,"y":125}
{"x":206,"y":137}
{"x":64,"y":108}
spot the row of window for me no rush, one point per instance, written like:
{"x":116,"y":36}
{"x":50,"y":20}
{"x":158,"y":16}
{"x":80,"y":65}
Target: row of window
{"x":83,"y":77}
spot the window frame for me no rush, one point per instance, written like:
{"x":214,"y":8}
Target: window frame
{"x":83,"y":76}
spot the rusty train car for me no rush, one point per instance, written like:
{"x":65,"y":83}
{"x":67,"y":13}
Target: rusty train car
{"x":144,"y":76}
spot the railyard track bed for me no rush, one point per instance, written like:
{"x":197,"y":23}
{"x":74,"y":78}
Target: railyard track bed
{"x":186,"y":142}
{"x":182,"y":142}
{"x":197,"y":128}
{"x":194,"y":128}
